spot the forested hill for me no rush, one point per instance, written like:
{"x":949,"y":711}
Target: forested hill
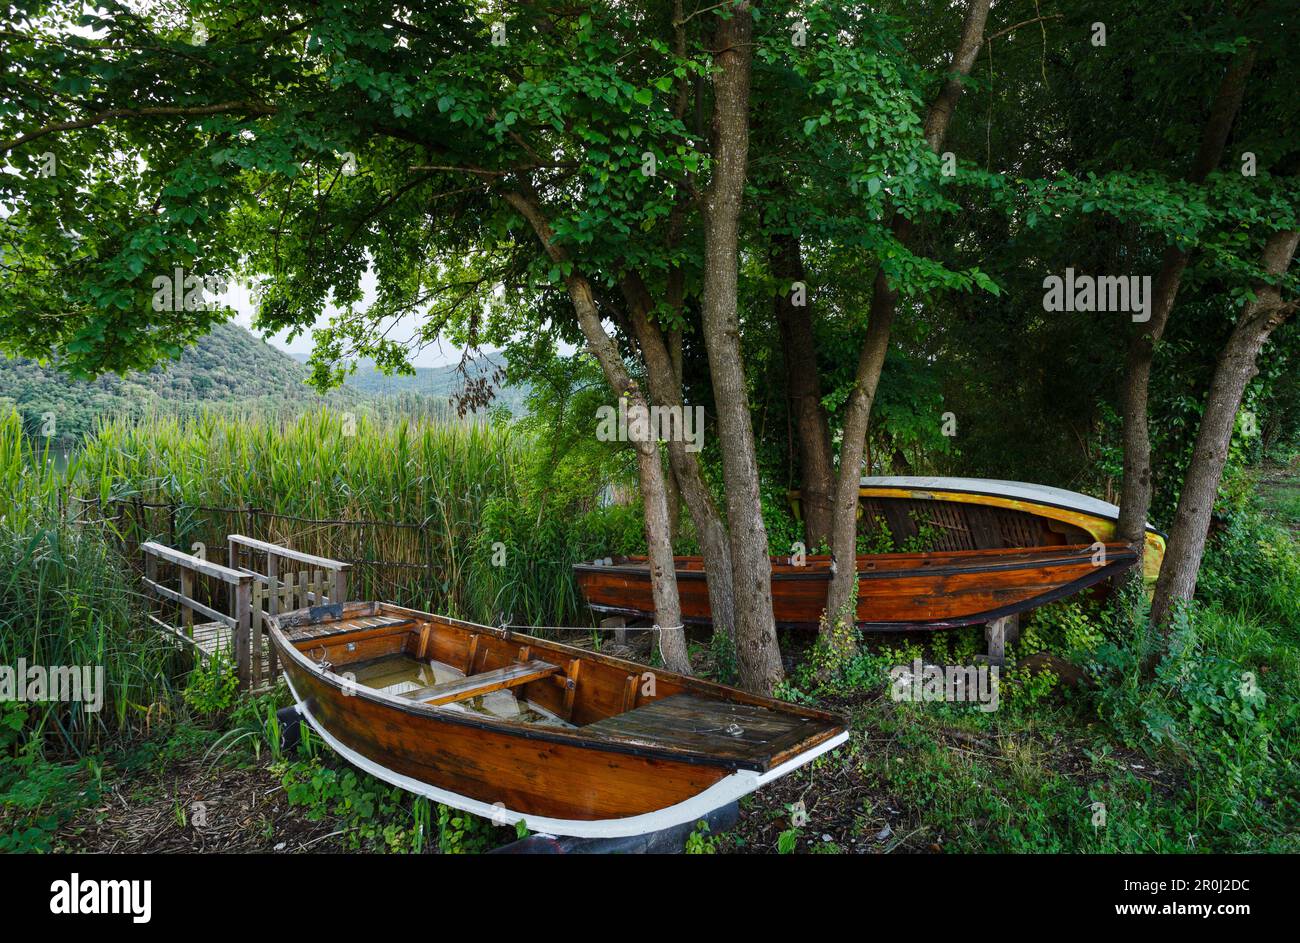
{"x":442,"y":384}
{"x":229,"y":366}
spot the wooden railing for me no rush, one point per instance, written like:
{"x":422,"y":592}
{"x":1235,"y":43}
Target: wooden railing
{"x":282,"y":587}
{"x":188,"y":566}
{"x":289,"y":580}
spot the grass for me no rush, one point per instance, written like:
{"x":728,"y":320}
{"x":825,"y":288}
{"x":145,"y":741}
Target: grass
{"x":1202,"y":758}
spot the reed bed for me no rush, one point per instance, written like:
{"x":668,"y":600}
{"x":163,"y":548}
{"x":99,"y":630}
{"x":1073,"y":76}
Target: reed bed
{"x":431,"y":513}
{"x":67,"y":600}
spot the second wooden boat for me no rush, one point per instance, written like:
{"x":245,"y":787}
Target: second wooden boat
{"x":514,"y":728}
{"x":896,"y":591}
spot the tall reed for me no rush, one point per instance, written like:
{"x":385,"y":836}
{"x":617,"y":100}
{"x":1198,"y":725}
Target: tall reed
{"x":67,"y":600}
{"x":432,"y":513}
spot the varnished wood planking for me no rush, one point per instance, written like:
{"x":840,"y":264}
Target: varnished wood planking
{"x":945,"y":588}
{"x":508,"y":676}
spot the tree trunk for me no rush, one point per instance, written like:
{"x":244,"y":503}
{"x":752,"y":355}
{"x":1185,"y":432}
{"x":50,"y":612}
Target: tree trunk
{"x":804,"y":388}
{"x":674,"y":491}
{"x":841,"y":597}
{"x":663,"y":574}
{"x":757,"y":654}
{"x":1135,"y":494}
{"x":663,"y":373}
{"x":1235,"y":369}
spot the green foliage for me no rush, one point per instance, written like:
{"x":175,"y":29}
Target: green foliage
{"x":460,"y":833}
{"x":213,"y":684}
{"x":723,"y":650}
{"x":1068,"y":628}
{"x":433,"y":478}
{"x":1224,"y":694}
{"x":377,"y":817}
{"x":523,"y":558}
{"x":227,"y":367}
{"x":700,"y":842}
{"x":788,"y":841}
{"x":68,"y":599}
{"x":1254,"y":568}
{"x":36,"y":796}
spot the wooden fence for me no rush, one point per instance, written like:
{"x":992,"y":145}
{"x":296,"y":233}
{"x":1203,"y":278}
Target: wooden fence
{"x":388,"y":560}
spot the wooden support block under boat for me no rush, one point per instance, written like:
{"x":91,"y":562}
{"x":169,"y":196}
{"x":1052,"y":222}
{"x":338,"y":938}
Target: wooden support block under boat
{"x":570,"y":741}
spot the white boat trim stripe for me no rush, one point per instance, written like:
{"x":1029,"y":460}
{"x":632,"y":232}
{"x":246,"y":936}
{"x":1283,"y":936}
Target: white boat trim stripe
{"x":1000,"y":488}
{"x":724,"y":791}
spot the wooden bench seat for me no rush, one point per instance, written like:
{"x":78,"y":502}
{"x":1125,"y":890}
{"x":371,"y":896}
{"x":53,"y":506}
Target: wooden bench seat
{"x":485,"y":682}
{"x":753,"y":737}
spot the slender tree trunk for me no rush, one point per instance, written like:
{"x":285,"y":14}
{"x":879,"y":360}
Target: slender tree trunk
{"x":804,"y":388}
{"x":675,"y":508}
{"x":663,"y":373}
{"x":757,"y":654}
{"x":1135,"y":494}
{"x":1236,"y":368}
{"x":674,"y":503}
{"x":841,"y":597}
{"x":663,"y":575}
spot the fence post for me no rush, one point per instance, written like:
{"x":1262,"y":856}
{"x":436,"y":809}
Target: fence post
{"x":187,"y":590}
{"x":242,"y":611}
{"x":255,"y":626}
{"x":273,"y":606}
{"x":339,"y":591}
{"x":151,"y":574}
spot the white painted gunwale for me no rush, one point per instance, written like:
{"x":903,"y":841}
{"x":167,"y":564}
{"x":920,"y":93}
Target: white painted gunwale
{"x":724,"y":791}
{"x":1001,"y":488}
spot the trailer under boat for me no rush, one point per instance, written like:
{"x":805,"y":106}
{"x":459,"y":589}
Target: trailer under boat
{"x":516,"y":728}
{"x":897,"y":592}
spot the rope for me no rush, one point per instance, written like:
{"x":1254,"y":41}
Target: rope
{"x":593,"y":628}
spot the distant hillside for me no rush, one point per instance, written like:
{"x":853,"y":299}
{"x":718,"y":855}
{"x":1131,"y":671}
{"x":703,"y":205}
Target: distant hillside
{"x":439,"y":383}
{"x":229,"y":366}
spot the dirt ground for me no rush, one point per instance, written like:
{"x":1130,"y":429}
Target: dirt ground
{"x":197,"y":806}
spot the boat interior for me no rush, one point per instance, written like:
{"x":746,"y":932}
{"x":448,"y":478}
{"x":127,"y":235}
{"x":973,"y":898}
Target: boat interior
{"x":954,"y":525}
{"x":449,"y":666}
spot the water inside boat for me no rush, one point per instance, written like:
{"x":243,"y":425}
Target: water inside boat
{"x":400,"y":674}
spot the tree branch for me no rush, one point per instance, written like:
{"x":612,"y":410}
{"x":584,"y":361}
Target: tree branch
{"x":252,"y":108}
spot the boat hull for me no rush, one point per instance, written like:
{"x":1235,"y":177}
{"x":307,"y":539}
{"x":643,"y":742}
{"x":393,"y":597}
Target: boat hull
{"x":896,"y":592}
{"x":980,"y":513}
{"x":572,"y":780}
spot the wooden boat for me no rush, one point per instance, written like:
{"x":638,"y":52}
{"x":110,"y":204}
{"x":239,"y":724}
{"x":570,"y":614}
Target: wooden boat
{"x":518,"y":728}
{"x":897,"y":592}
{"x":987,"y":513}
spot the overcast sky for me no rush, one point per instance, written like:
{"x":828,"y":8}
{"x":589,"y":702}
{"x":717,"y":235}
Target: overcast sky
{"x":239,"y":298}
